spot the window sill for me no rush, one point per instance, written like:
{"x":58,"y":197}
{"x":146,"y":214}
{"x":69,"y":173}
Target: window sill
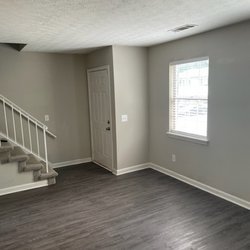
{"x":188,"y":138}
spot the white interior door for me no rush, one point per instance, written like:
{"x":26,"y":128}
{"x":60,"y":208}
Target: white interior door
{"x":100,"y":116}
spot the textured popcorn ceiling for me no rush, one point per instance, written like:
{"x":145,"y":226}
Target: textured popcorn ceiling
{"x":79,"y":25}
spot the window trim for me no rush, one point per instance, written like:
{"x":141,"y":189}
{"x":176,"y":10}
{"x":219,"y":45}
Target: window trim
{"x":189,"y":60}
{"x":179,"y":134}
{"x":188,"y":137}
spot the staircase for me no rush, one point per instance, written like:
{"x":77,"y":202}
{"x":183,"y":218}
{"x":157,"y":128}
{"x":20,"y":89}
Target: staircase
{"x":23,"y":139}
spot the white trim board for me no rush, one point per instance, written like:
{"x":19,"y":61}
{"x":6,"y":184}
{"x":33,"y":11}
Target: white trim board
{"x":131,"y":169}
{"x":204,"y":187}
{"x":70,"y":163}
{"x":24,"y":187}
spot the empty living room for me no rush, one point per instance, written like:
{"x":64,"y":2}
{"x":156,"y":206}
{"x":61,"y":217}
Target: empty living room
{"x":124,"y":124}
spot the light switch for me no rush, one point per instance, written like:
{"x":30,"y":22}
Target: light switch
{"x":124,"y":118}
{"x":46,"y":118}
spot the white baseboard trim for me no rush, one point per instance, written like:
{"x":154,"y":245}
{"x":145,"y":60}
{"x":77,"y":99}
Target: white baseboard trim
{"x":70,"y":163}
{"x":204,"y":187}
{"x":23,"y":187}
{"x":131,"y":169}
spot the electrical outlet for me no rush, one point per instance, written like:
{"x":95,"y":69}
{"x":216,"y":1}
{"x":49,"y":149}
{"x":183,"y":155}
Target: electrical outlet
{"x":173,"y":158}
{"x":46,"y":118}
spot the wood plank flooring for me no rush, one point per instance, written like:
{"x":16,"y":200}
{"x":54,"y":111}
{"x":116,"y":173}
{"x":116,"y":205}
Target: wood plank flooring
{"x":89,"y":208}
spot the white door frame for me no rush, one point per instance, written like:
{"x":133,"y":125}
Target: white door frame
{"x":104,"y":67}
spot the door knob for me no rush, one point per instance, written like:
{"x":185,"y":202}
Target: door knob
{"x":108,"y":128}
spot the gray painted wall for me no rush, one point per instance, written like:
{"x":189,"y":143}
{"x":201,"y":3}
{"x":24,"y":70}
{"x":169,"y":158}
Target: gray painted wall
{"x":131,"y":98}
{"x":225,"y":162}
{"x":53,"y":84}
{"x":10,"y":177}
{"x":128,"y":70}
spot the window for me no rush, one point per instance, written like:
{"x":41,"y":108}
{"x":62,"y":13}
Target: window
{"x":188,"y":97}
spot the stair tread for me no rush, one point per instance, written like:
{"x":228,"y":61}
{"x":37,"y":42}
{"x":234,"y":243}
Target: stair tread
{"x":34,"y":164}
{"x":32,"y":167}
{"x":52,"y":173}
{"x":49,"y":174}
{"x":33,"y":160}
{"x":17,"y":154}
{"x":17,"y":151}
{"x":19,"y":158}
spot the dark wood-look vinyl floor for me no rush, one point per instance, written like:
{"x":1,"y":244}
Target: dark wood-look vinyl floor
{"x":90,"y":208}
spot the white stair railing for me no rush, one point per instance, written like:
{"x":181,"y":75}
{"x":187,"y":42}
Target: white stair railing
{"x":13,"y":122}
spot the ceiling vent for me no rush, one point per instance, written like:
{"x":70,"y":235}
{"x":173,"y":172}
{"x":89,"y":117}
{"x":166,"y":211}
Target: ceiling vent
{"x":184,"y":27}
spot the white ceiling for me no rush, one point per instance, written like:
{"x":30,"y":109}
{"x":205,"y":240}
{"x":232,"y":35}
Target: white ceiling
{"x":79,"y":25}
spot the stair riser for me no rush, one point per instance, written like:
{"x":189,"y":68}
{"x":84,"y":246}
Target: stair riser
{"x":51,"y":181}
{"x":3,"y":150}
{"x":37,"y":175}
{"x":21,"y":166}
{"x":4,"y":157}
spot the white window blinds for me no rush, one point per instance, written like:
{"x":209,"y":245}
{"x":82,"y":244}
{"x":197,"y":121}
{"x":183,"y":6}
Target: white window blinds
{"x":188,"y":98}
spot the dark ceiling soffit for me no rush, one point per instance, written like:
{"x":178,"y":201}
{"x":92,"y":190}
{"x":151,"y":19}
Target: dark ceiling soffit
{"x":17,"y":46}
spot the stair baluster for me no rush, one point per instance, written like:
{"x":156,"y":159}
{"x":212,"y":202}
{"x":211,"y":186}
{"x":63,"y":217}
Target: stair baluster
{"x":11,"y":109}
